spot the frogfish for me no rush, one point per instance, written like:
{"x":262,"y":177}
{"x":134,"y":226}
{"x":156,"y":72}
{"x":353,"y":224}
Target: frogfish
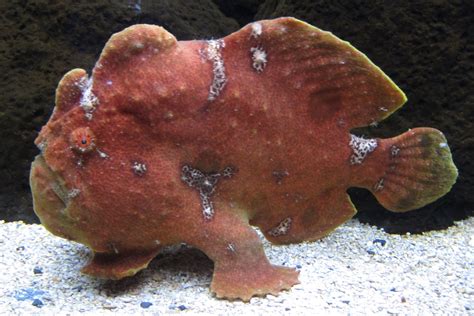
{"x":203,"y":141}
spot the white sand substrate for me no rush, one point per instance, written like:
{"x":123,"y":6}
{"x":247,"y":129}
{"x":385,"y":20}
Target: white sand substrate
{"x":357,"y":270}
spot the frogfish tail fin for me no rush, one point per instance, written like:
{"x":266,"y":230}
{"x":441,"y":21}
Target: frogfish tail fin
{"x":418,"y":170}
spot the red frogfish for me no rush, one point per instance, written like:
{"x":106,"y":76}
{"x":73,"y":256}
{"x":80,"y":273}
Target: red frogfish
{"x":195,"y":142}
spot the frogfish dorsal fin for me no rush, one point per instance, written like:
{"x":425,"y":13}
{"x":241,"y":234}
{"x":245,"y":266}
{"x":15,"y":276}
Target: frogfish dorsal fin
{"x":125,"y":64}
{"x":134,"y":40}
{"x":69,"y":92}
{"x":321,"y":71}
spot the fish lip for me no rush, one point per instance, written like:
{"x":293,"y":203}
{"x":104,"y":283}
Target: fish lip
{"x":50,"y":199}
{"x":58,"y":187}
{"x":39,"y":159}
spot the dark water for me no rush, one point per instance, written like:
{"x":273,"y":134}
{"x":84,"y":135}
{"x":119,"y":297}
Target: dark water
{"x":422,"y":45}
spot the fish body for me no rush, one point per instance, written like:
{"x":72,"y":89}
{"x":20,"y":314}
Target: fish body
{"x":196,"y":141}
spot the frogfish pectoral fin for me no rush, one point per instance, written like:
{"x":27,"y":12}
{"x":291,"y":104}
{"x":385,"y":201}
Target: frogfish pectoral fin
{"x":117,"y":265}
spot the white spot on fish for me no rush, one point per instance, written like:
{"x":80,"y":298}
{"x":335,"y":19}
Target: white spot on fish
{"x":213,"y":53}
{"x":138,"y":168}
{"x":394,"y":151}
{"x":259,"y":58}
{"x":443,"y":145}
{"x":228,"y":172}
{"x":102,"y":154}
{"x":88,"y":101}
{"x":231,"y":247}
{"x":379,"y":185}
{"x":80,"y":163}
{"x":282,"y":228}
{"x":361,"y":147}
{"x":73,"y":193}
{"x":207,"y":207}
{"x":256,"y":30}
{"x":169,"y":115}
{"x":205,"y":184}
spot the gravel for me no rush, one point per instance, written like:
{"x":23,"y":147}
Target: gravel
{"x":357,"y":270}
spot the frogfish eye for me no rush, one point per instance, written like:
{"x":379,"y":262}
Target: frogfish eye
{"x":82,"y":140}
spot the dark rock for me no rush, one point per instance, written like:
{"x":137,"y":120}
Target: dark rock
{"x":37,"y":303}
{"x":38,"y":270}
{"x":381,"y":242}
{"x":145,"y":304}
{"x":182,"y":307}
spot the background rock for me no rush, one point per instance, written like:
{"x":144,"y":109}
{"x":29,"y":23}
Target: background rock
{"x":422,"y":45}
